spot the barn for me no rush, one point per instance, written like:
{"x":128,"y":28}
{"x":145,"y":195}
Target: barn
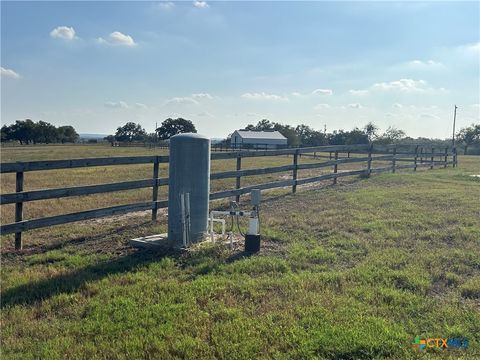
{"x":268,"y":139}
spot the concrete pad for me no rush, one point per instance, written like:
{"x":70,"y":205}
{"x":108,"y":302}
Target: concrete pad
{"x":152,"y":241}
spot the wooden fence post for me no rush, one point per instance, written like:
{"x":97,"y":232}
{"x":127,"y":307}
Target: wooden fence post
{"x":446,"y":157}
{"x":431,"y":159}
{"x":394,"y":162}
{"x":454,"y":156}
{"x":415,"y":159}
{"x":295,"y":170}
{"x":369,"y":161}
{"x":155,"y":188}
{"x":19,"y":210}
{"x":237,"y":185}
{"x":335,"y":168}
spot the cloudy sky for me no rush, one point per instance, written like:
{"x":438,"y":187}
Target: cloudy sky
{"x":96,"y":65}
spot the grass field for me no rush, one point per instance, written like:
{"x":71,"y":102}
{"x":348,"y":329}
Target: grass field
{"x":355,"y":270}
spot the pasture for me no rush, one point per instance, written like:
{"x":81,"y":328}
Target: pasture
{"x":355,"y":270}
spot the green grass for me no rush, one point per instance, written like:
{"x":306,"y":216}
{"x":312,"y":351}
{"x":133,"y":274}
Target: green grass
{"x":350,"y":271}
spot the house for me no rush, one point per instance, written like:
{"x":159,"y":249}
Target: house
{"x":268,"y":139}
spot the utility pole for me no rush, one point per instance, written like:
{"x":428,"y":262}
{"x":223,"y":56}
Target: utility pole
{"x":454,"y":119}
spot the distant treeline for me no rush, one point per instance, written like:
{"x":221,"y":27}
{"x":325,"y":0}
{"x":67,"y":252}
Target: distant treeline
{"x":41,"y":132}
{"x":304,"y":135}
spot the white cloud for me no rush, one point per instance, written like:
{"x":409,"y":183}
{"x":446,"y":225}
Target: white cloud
{"x":425,"y":65}
{"x":141,"y":106}
{"x":322,"y":92}
{"x":200,"y":4}
{"x":354,"y":106}
{"x":358,"y":92}
{"x":116,"y":104}
{"x":473,"y":48}
{"x":296,"y":94}
{"x":63,"y":32}
{"x":9,"y":73}
{"x":397,"y":105}
{"x":165,"y":5}
{"x":406,"y":86}
{"x":264,"y":96}
{"x":321,"y":106}
{"x":429,"y":116}
{"x":202,"y":96}
{"x":182,"y":101}
{"x":117,"y":38}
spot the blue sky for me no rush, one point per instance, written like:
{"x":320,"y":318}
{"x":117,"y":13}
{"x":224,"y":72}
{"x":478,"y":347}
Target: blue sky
{"x":96,"y":65}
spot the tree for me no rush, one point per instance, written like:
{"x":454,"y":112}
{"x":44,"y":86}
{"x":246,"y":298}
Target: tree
{"x":469,"y":136}
{"x":23,"y":131}
{"x":6,"y":133}
{"x":371,"y":130}
{"x":28,"y":131}
{"x":262,"y":125}
{"x":337,"y":137}
{"x":67,"y":134}
{"x":356,"y":136}
{"x":110,"y":139}
{"x":44,"y":132}
{"x":309,"y":136}
{"x":289,"y":132}
{"x":171,"y":127}
{"x":130,"y":132}
{"x":390,"y":136}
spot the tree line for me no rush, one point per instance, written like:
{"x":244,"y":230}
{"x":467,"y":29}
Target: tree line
{"x":41,"y":132}
{"x":131,"y":132}
{"x":304,"y":135}
{"x":30,"y":132}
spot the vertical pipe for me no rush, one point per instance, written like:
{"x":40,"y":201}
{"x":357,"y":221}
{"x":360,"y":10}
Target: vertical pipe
{"x":295,"y":169}
{"x":187,"y":218}
{"x":237,"y":185}
{"x":155,"y":188}
{"x":335,"y":168}
{"x":19,"y":210}
{"x":183,"y":220}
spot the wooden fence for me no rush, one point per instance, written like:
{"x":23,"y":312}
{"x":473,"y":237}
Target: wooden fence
{"x":418,"y":156}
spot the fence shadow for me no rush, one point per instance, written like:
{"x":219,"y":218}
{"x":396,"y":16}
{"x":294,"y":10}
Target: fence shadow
{"x":71,"y":282}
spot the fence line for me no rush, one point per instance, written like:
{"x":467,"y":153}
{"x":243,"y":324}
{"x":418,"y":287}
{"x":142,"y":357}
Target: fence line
{"x":385,"y":153}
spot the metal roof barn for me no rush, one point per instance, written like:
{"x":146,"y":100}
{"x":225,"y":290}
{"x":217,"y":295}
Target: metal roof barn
{"x":261,"y":139}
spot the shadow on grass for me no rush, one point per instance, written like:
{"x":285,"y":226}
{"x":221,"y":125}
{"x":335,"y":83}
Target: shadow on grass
{"x":12,"y":254}
{"x":73,"y":281}
{"x":31,"y":293}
